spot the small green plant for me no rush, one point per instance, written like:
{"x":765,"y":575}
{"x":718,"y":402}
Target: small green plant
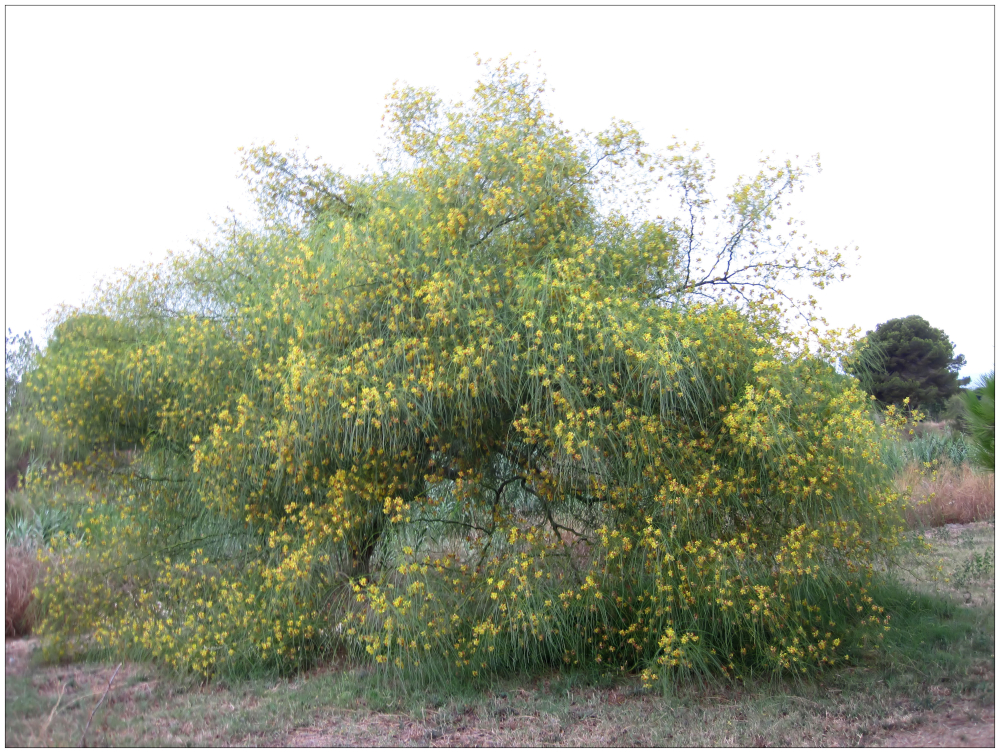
{"x":30,"y":522}
{"x":977,"y":567}
{"x":36,"y":528}
{"x":929,"y":448}
{"x":967,"y":539}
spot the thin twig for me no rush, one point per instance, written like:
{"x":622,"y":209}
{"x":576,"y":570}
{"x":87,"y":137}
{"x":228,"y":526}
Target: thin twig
{"x":83,"y":740}
{"x":52,"y":713}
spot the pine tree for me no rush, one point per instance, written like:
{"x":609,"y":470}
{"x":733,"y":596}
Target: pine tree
{"x":908,"y":358}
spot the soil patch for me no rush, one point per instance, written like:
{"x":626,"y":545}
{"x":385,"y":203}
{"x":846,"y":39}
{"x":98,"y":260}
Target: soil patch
{"x":952,"y":729}
{"x":17,"y":652}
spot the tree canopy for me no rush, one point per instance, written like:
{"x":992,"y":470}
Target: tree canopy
{"x":908,"y":358}
{"x":478,"y":406}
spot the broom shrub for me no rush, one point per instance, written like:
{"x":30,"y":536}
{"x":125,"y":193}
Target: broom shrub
{"x":476,"y":411}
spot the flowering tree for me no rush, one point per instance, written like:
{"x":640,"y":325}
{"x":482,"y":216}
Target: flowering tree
{"x":479,"y":406}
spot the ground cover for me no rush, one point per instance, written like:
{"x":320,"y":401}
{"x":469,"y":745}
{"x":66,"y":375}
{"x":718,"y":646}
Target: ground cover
{"x":931,"y":684}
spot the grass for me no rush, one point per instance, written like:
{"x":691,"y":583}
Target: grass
{"x":960,"y":566}
{"x":26,"y":528}
{"x":949,"y":494}
{"x":934,"y":672}
{"x":20,"y":572}
{"x":32,"y":522}
{"x":932,"y":442}
{"x":933,"y":464}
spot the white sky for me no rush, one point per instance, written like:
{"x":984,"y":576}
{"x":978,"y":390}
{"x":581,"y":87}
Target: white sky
{"x":122,"y":125}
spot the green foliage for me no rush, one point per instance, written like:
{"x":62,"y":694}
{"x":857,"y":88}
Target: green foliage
{"x":908,"y":360}
{"x":980,"y":566}
{"x":980,"y":419}
{"x":34,"y":527}
{"x":30,"y":517}
{"x":954,"y":411}
{"x":475,"y":411}
{"x":20,"y":355}
{"x":937,"y":448}
{"x":30,"y":443}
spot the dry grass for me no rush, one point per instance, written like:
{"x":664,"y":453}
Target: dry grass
{"x":21,"y":571}
{"x":941,"y":428}
{"x":948,"y":495}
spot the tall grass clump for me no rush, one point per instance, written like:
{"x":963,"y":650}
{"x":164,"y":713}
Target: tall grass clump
{"x":940,"y":471}
{"x":947,"y":494}
{"x":476,"y":412}
{"x":932,"y":447}
{"x":21,"y":570}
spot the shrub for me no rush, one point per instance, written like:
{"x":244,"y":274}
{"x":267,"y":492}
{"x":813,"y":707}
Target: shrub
{"x":463,"y":415}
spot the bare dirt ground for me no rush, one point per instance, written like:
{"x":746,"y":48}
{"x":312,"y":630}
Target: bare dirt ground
{"x":953,"y":729}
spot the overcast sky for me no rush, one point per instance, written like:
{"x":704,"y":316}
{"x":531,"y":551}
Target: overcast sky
{"x":122,"y":125}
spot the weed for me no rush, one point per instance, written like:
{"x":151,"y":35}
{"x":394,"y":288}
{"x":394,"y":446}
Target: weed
{"x":980,"y":566}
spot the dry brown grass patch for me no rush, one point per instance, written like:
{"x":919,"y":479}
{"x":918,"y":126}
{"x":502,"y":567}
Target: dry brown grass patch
{"x":948,"y":495}
{"x":22,"y":569}
{"x":941,"y":428}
